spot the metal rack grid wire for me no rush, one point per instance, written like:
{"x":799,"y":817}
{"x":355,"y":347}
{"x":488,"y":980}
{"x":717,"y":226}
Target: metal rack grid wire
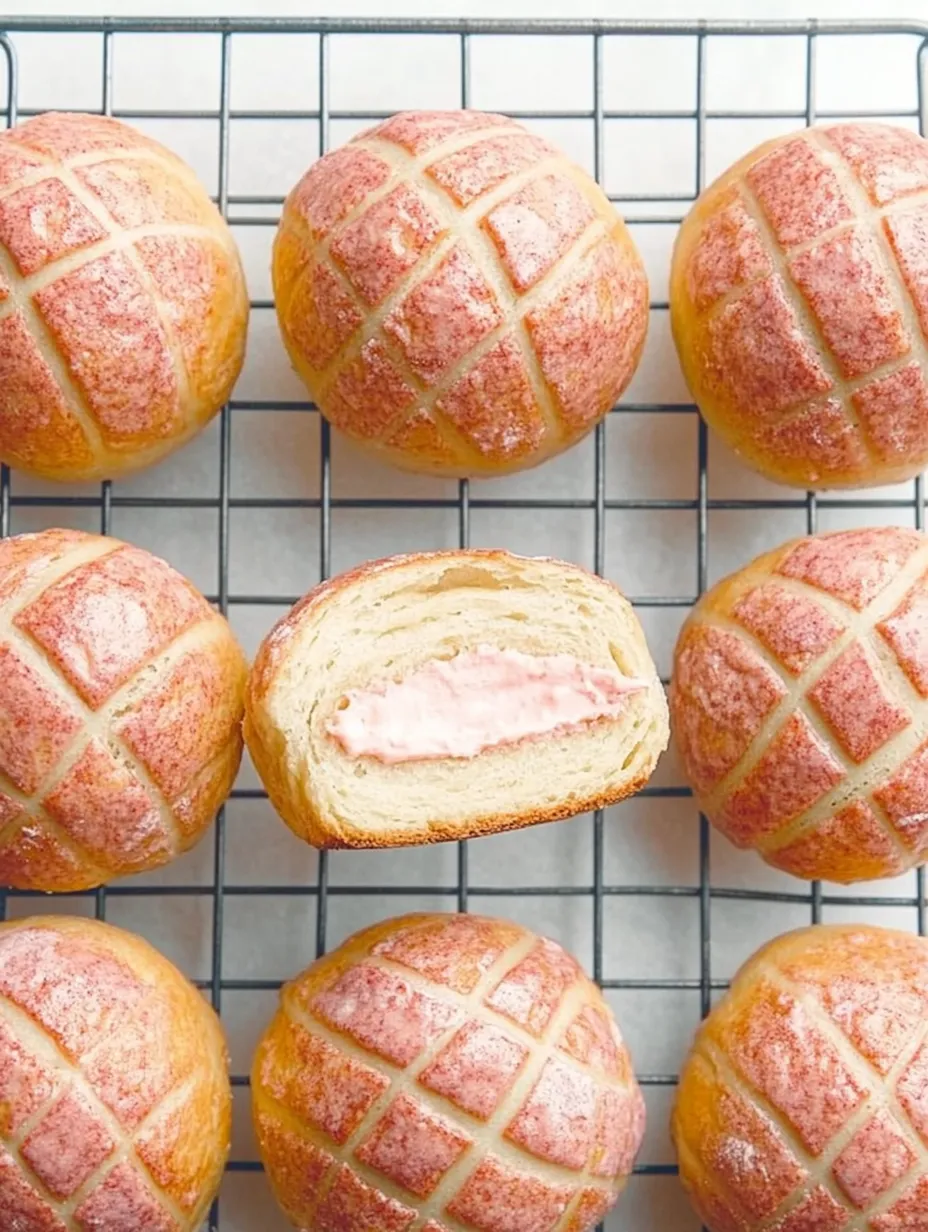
{"x":234,"y":206}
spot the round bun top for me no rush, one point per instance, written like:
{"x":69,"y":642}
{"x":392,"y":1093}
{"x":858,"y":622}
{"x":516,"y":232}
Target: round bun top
{"x":121,"y":693}
{"x":799,"y":703}
{"x":800,"y":306}
{"x":803,"y":1106}
{"x":512,"y":1096}
{"x":457,"y":295}
{"x":122,"y":300}
{"x":115,"y":1104}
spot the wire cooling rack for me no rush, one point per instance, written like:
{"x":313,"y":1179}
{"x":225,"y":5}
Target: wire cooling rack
{"x":655,"y":942}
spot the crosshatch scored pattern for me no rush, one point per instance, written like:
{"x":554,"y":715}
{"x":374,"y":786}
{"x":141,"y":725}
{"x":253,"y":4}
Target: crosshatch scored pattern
{"x":799,"y":208}
{"x":865,"y":643}
{"x":388,"y":1132}
{"x":637,"y":207}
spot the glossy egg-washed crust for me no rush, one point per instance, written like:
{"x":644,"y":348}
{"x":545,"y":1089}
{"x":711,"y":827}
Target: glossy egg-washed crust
{"x":448,"y":1073}
{"x":123,"y":304}
{"x":803,"y":1106}
{"x":457,"y":295}
{"x":115,"y":1105}
{"x":121,"y":696}
{"x":267,"y":745}
{"x":799,"y":305}
{"x":799,"y":704}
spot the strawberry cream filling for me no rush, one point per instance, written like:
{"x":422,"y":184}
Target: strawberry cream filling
{"x":477,"y":700}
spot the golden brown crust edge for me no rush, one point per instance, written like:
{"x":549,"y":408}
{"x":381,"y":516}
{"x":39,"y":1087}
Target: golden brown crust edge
{"x":301,"y":816}
{"x":310,"y":825}
{"x":718,"y":599}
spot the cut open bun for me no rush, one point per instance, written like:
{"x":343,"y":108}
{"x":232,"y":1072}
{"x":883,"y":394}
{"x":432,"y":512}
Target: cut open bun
{"x":388,"y":618}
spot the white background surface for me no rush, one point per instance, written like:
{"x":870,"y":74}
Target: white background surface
{"x":650,"y":841}
{"x":616,"y":9}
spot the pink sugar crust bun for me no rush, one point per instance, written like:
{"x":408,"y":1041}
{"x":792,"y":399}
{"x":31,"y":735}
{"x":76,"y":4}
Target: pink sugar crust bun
{"x":123,"y":304}
{"x":121,"y":691}
{"x":799,"y":306}
{"x":518,"y":1106}
{"x":802,"y":1106}
{"x":459,"y":297}
{"x":799,"y":700}
{"x":115,"y":1105}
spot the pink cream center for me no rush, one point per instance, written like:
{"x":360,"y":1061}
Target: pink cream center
{"x":478,"y":700}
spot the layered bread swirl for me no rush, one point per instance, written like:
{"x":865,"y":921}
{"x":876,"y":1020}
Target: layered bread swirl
{"x":800,"y":704}
{"x":115,"y":1105}
{"x":452,"y":694}
{"x":123,"y":304}
{"x":443,"y":1072}
{"x":457,"y":295}
{"x":803,"y":1106}
{"x":799,"y":304}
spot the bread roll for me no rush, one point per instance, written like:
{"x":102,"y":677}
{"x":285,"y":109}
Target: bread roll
{"x":799,"y":708}
{"x":120,"y":708}
{"x":799,"y":306}
{"x":452,"y":694}
{"x":457,"y":295}
{"x":122,"y":300}
{"x":115,"y":1105}
{"x":803,"y":1106}
{"x":445,"y":1071}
